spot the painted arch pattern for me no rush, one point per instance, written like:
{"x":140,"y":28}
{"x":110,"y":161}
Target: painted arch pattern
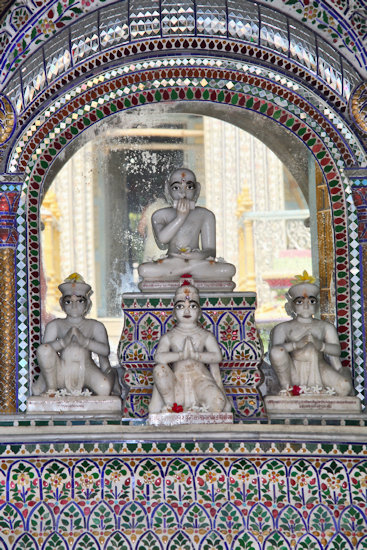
{"x":183,"y":502}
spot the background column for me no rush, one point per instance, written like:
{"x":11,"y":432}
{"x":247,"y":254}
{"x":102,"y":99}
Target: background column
{"x":9,"y":200}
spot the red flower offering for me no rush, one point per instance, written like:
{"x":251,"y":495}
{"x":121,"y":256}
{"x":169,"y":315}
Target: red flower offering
{"x":296,"y":390}
{"x":177,"y":408}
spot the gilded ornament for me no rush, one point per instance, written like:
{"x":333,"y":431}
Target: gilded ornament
{"x":7,"y":119}
{"x":358,"y":106}
{"x":8,"y":332}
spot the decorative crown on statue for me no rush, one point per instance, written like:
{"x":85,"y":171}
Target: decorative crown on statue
{"x":187,"y":291}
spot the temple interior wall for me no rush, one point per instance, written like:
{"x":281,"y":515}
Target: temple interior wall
{"x":100,"y":482}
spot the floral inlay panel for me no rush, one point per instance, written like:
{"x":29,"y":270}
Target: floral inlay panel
{"x":183,"y":495}
{"x":230,"y":318}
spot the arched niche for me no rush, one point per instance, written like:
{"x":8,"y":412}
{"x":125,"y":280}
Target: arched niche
{"x":296,"y":110}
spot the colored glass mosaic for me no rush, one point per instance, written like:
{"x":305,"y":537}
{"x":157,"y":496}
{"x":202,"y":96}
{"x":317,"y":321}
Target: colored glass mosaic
{"x":233,"y":68}
{"x":94,"y":101}
{"x":230,"y":318}
{"x":183,"y":495}
{"x":14,"y":187}
{"x":105,"y":24}
{"x":111,"y":31}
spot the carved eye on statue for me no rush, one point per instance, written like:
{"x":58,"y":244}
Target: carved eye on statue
{"x":175,"y":186}
{"x":190,"y":185}
{"x":191,"y":305}
{"x":300,"y":300}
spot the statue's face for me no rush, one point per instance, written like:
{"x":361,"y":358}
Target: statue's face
{"x":74,"y":306}
{"x":182,"y":185}
{"x":305,"y":306}
{"x":187,"y":311}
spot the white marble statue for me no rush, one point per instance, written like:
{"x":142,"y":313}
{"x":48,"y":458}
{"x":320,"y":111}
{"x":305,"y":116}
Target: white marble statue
{"x":305,"y":352}
{"x":65,"y":357}
{"x":182,"y":380}
{"x":188,"y":232}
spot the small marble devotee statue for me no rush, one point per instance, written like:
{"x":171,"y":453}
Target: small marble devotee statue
{"x":65,"y":357}
{"x":188,"y":232}
{"x":305,"y":352}
{"x":181,"y":377}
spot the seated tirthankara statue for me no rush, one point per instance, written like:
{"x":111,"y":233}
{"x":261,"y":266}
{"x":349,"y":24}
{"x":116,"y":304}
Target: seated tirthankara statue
{"x":65,"y":357}
{"x":180,"y":228}
{"x":305,"y":352}
{"x":182,"y":381}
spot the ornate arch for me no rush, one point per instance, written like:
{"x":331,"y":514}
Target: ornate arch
{"x":232,"y":73}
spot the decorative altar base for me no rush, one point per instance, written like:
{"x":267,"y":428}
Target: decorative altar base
{"x":94,"y":404}
{"x":312,"y":404}
{"x":230,"y":316}
{"x":176,"y":419}
{"x":158,"y":287}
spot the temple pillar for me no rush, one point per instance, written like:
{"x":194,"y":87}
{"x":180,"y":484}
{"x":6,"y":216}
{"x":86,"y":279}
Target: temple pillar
{"x":9,"y":200}
{"x":50,"y":215}
{"x":246,"y":264}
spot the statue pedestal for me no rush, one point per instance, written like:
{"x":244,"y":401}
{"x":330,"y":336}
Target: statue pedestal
{"x":311,"y":404}
{"x":149,"y":286}
{"x":95,"y":404}
{"x":175,"y":419}
{"x":230,"y":316}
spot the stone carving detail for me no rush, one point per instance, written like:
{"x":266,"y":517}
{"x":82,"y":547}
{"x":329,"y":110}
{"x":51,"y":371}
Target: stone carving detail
{"x":305,"y":352}
{"x":229,"y":317}
{"x":182,"y":381}
{"x":298,"y":235}
{"x":180,"y":228}
{"x":65,"y":357}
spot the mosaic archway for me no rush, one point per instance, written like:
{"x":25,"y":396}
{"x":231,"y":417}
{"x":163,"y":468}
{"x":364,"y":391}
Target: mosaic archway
{"x":227,"y":72}
{"x":95,"y":101}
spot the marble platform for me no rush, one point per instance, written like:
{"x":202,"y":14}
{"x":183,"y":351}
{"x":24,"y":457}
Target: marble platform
{"x":176,"y":419}
{"x":74,"y":404}
{"x":157,"y":286}
{"x":311,"y":404}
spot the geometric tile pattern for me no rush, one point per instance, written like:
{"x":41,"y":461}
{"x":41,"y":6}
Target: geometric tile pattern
{"x":22,"y":308}
{"x":230,"y":318}
{"x":313,"y":93}
{"x":99,"y":98}
{"x":359,"y":188}
{"x":183,"y":495}
{"x":357,"y":292}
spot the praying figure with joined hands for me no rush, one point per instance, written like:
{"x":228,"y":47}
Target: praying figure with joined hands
{"x":181,"y":376}
{"x":306,"y":351}
{"x":65,"y":356}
